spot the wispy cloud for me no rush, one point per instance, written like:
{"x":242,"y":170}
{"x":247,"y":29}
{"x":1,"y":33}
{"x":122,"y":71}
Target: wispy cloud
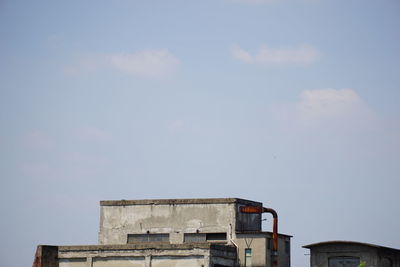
{"x":326,"y":109}
{"x":304,"y":54}
{"x":330,"y":103}
{"x":37,"y":169}
{"x":151,"y":63}
{"x":177,"y":125}
{"x":37,"y":139}
{"x":93,"y":134}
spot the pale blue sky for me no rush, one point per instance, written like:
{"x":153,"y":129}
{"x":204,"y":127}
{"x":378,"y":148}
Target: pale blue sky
{"x":290,"y":102}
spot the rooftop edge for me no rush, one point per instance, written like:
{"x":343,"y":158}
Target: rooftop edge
{"x":144,"y":246}
{"x":347,"y":242}
{"x":124,"y":202}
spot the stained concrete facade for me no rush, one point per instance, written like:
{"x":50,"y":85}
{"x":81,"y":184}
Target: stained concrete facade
{"x":138,"y":255}
{"x":350,"y":254}
{"x":175,"y":217}
{"x":176,"y":233}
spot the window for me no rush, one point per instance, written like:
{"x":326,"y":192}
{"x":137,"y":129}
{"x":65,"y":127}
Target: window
{"x":216,"y":236}
{"x":247,"y":257}
{"x":344,"y":262}
{"x":194,"y":238}
{"x":145,"y":238}
{"x":204,"y":237}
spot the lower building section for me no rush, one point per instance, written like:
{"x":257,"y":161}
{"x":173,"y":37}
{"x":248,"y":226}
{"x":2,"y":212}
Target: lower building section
{"x":136,"y":255}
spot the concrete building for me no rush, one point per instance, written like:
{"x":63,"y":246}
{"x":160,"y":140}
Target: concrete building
{"x":136,"y":255}
{"x":351,"y":254}
{"x":177,"y":232}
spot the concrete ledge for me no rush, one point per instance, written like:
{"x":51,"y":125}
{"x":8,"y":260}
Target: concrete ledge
{"x":144,"y":246}
{"x":266,"y":233}
{"x":178,"y":201}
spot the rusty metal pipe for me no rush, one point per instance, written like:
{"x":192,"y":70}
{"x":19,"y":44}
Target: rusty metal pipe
{"x":253,"y":209}
{"x":275,"y":227}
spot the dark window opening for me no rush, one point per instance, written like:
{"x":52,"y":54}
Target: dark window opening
{"x":145,"y":238}
{"x":344,"y":262}
{"x":204,"y":237}
{"x":216,"y":236}
{"x":194,"y":238}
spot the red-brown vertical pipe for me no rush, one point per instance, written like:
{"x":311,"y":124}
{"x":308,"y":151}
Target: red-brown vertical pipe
{"x":252,"y":209}
{"x":274,"y":235}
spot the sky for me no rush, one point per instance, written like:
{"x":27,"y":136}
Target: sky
{"x":293,"y":103}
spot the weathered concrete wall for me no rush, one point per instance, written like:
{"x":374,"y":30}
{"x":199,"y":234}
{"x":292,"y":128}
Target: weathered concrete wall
{"x":119,"y":262}
{"x":146,"y":255}
{"x":74,"y":262}
{"x":257,"y":243}
{"x":120,"y":218}
{"x":117,"y":222}
{"x":178,"y":261}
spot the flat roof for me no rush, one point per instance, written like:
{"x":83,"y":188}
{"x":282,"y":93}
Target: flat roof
{"x":338,"y":242}
{"x":144,"y":246}
{"x":179,"y":201}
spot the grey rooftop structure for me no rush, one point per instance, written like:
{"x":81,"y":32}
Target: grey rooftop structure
{"x":340,"y":253}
